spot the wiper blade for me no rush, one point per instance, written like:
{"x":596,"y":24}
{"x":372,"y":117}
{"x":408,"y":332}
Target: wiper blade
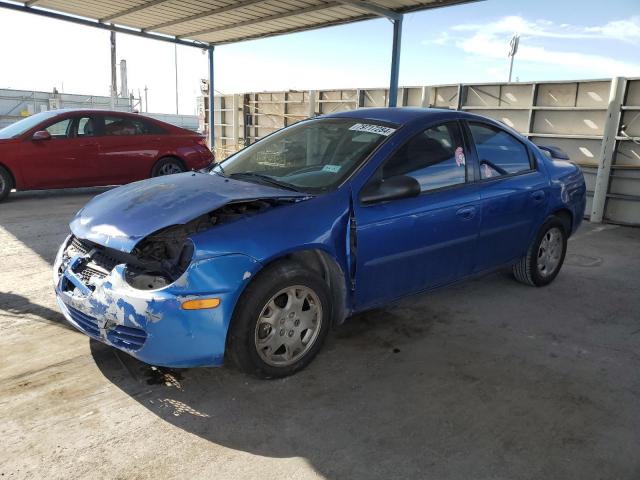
{"x":218,"y":165}
{"x":265,"y":178}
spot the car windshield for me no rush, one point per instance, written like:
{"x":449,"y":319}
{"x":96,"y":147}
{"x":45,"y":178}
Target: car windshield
{"x":312,"y":156}
{"x":18,"y":128}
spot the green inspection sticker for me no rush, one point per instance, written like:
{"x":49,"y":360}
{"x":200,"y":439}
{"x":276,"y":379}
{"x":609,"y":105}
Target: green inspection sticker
{"x":331,"y":168}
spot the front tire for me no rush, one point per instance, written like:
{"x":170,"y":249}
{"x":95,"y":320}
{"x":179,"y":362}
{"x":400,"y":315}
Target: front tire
{"x":544,"y":259}
{"x":6,"y":183}
{"x":280,"y":322}
{"x":168,"y":166}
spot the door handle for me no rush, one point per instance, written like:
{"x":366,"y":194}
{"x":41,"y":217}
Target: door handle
{"x":538,"y":196}
{"x":466,"y":212}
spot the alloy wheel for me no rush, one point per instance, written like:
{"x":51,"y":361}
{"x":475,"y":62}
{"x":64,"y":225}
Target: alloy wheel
{"x":550,"y":252}
{"x":169,"y":169}
{"x":288,"y":326}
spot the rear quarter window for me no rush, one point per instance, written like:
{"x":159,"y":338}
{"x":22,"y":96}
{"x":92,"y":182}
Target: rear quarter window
{"x":499,"y":152}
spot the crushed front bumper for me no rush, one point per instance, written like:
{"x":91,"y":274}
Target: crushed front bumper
{"x":151,"y":325}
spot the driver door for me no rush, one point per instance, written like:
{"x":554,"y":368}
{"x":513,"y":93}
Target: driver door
{"x":412,"y":244}
{"x":67,"y":159}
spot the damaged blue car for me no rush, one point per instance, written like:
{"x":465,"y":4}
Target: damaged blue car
{"x":257,"y":259}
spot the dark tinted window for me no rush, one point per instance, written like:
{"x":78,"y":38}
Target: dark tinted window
{"x":499,"y":152}
{"x":435,"y":158}
{"x":129,"y":126}
{"x":86,"y":127}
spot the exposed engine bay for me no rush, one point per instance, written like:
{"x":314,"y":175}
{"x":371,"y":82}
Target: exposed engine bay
{"x":162,"y":257}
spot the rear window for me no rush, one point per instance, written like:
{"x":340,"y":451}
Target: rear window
{"x":116,"y":126}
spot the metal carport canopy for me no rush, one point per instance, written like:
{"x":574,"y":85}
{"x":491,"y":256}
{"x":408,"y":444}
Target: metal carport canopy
{"x":207,"y":23}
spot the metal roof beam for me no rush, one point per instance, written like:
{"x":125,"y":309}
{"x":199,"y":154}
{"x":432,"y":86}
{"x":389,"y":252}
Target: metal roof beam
{"x":208,"y":13}
{"x":131,"y":10}
{"x":269,"y":18}
{"x":102,"y":26}
{"x":372,"y":8}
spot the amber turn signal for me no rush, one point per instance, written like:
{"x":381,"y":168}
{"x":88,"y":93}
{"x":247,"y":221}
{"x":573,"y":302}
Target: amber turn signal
{"x":201,"y":304}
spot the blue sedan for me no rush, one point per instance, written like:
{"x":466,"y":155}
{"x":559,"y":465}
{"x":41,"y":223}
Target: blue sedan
{"x":256,"y":259}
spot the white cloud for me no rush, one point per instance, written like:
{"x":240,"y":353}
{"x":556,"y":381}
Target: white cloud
{"x":627,"y":30}
{"x":442,"y":39}
{"x":490,"y":41}
{"x":488,"y":45}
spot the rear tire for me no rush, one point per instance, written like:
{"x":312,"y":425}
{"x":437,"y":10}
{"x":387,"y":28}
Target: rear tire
{"x":6,"y":183}
{"x":168,"y":166}
{"x":281,"y":321}
{"x":544,"y":259}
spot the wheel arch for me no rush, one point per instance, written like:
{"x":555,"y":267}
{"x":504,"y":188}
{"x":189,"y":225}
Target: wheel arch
{"x":11,"y":174}
{"x":328,"y":267}
{"x":566,"y":217}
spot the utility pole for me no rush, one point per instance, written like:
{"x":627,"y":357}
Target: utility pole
{"x":175,"y":56}
{"x":124,"y":87}
{"x":513,"y":49}
{"x":146,"y":100}
{"x":114,"y":81}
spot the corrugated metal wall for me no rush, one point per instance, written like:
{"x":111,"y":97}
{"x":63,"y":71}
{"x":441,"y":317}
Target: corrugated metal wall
{"x":17,"y":104}
{"x":569,"y":114}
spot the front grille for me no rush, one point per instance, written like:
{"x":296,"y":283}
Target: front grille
{"x":121,"y":336}
{"x":97,"y":265}
{"x":87,"y":273}
{"x":79,"y":246}
{"x":86,"y":322}
{"x":127,"y":337}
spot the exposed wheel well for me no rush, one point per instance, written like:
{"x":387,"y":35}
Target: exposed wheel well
{"x":13,"y":177}
{"x":323,"y":264}
{"x":566,"y":217}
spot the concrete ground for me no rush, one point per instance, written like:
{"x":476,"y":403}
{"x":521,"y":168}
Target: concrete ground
{"x":487,"y":380}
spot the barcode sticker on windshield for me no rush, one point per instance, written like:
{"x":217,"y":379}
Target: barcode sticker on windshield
{"x":377,"y":129}
{"x":331,"y":168}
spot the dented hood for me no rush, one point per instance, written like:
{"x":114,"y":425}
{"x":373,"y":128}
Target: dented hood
{"x":121,"y":217}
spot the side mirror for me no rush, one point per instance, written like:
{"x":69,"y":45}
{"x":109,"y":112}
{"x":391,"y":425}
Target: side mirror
{"x":553,"y":153}
{"x":41,"y":135}
{"x":394,"y":188}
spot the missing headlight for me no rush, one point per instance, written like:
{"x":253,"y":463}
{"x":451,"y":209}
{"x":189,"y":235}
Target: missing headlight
{"x":160,"y":262}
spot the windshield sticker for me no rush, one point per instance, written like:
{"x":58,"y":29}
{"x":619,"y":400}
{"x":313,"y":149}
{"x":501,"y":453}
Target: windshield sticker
{"x":331,"y":168}
{"x":460,"y":161}
{"x":377,"y":129}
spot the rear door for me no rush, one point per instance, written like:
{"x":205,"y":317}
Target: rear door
{"x":128,"y":148}
{"x":513,"y":192}
{"x":411,"y":244}
{"x":67,"y":159}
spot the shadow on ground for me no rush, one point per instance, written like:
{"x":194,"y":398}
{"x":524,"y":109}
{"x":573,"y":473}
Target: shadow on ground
{"x":19,"y":306}
{"x":398,"y":393}
{"x":40,"y":219}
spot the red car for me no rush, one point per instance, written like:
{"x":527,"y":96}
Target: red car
{"x":83,"y":148}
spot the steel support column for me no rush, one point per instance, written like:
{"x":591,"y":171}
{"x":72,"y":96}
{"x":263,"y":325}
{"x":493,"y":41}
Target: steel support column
{"x":211,"y":100}
{"x":395,"y":61}
{"x":607,"y":151}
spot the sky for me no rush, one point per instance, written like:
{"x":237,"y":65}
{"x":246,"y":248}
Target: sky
{"x":566,"y":39}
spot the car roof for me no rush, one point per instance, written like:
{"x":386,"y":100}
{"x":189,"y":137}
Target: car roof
{"x":402,"y":115}
{"x":61,"y":111}
{"x":92,"y":111}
